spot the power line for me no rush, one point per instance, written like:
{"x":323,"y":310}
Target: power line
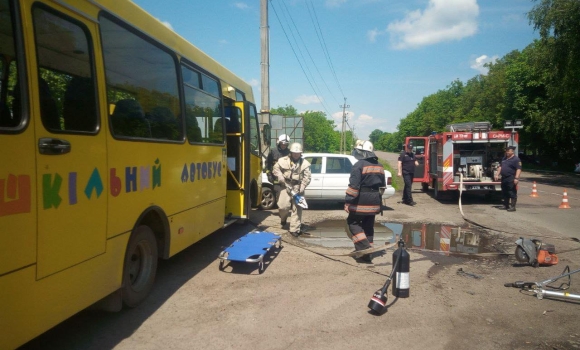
{"x":298,"y":59}
{"x":323,"y":45}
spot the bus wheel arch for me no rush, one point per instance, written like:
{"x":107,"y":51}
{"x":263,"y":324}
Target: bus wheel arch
{"x":140,"y":266}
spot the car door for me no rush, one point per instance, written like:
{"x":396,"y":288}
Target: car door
{"x":314,"y":189}
{"x":336,"y":177}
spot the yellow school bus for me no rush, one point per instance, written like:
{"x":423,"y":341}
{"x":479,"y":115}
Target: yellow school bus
{"x":121,"y":143}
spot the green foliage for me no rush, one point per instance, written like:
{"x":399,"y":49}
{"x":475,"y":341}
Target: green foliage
{"x":538,"y":85}
{"x":319,"y":133}
{"x":286,"y":111}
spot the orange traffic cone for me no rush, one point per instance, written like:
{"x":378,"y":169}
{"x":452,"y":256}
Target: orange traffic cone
{"x":564,"y":204}
{"x":534,"y":190}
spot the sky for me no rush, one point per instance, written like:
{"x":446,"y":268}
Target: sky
{"x":383,"y":56}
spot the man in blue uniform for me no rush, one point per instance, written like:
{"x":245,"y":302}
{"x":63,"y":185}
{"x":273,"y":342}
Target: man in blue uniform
{"x":406,"y":169}
{"x":510,"y":170}
{"x":363,"y":197}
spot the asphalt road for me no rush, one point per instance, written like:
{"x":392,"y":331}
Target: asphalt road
{"x":537,"y":215}
{"x":313,"y":300}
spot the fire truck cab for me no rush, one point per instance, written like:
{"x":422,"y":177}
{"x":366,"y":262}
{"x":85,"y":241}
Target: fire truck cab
{"x":466,"y":157}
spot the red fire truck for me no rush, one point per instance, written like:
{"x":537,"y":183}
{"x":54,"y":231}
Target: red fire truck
{"x":470,"y":149}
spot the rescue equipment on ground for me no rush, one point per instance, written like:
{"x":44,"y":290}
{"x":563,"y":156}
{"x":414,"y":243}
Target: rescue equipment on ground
{"x":299,"y":200}
{"x":541,"y":288}
{"x":250,"y":248}
{"x":534,"y":190}
{"x":535,"y":253}
{"x":564,"y":204}
{"x":378,"y":302}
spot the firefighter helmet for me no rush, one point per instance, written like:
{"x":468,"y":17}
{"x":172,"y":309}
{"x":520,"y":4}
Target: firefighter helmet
{"x":364,"y":150}
{"x":296,"y":148}
{"x":283,"y":139}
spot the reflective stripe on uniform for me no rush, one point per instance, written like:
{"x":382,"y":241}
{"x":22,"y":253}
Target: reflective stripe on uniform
{"x":352,"y":191}
{"x":373,"y":169}
{"x":359,"y":237}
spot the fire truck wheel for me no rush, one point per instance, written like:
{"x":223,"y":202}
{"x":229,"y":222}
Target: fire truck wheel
{"x":435,"y":189}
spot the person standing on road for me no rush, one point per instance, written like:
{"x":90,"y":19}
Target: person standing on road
{"x":406,"y":168}
{"x":280,"y":151}
{"x":363,"y":197}
{"x":293,"y":174}
{"x":510,"y":169}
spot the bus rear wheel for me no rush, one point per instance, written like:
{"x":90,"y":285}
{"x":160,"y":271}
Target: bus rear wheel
{"x":140,"y":266}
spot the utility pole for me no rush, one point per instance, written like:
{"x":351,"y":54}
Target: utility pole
{"x":343,"y":133}
{"x":265,"y":64}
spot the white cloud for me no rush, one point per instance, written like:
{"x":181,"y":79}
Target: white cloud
{"x":223,"y":42}
{"x":442,"y":20}
{"x":306,"y":100}
{"x":479,"y":62}
{"x":241,"y":5}
{"x":335,"y":3}
{"x":253,"y":82}
{"x":372,"y":34}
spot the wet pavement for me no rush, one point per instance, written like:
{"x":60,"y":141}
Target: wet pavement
{"x":417,"y":236}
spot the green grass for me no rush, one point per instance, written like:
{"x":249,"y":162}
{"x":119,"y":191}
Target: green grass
{"x":397,"y":182}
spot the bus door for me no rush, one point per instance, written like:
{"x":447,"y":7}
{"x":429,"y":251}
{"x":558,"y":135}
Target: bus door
{"x":17,"y":157}
{"x":236,"y":207}
{"x":71,"y":167}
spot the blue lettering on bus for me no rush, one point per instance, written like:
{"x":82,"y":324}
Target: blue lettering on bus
{"x":203,"y":170}
{"x":130,"y":179}
{"x":95,"y":183}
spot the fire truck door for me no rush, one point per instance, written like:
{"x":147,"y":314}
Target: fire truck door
{"x":419,"y":150}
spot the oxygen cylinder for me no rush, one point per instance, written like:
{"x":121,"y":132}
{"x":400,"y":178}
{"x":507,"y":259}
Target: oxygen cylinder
{"x":401,"y":276}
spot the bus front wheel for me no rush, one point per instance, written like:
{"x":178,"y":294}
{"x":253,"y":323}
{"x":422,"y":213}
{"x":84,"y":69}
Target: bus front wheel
{"x":140,"y":266}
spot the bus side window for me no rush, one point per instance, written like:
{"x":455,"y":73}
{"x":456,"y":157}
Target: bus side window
{"x":128,"y":119}
{"x":79,"y":107}
{"x":48,"y":108}
{"x":164,"y":124}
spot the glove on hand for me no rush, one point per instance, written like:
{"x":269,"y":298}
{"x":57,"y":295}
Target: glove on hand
{"x":281,"y":179}
{"x":301,"y":190}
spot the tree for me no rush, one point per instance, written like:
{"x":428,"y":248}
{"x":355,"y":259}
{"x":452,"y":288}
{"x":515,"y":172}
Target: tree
{"x":375,"y":136}
{"x":319,"y":133}
{"x":558,"y":60}
{"x":286,"y":111}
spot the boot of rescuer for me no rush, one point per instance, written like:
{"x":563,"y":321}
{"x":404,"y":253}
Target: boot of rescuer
{"x":513,"y":204}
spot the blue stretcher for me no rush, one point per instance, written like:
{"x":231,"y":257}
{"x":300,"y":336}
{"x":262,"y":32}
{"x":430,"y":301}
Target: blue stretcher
{"x":251,"y":248}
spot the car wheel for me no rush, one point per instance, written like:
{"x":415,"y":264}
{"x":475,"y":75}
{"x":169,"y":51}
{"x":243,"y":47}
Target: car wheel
{"x":268,"y":198}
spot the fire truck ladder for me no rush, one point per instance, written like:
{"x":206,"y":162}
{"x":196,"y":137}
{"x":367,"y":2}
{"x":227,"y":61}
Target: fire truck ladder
{"x":469,"y":127}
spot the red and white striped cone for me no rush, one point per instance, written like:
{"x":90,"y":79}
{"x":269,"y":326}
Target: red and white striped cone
{"x":534,"y":190}
{"x":564,"y":204}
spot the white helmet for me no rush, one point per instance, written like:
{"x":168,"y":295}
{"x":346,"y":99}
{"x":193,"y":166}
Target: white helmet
{"x":284,"y":139}
{"x":364,"y":150}
{"x":367,"y":146}
{"x":296,"y":148}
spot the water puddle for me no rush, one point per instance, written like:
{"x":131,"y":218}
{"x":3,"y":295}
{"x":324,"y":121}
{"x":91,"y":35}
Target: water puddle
{"x":433,"y":237}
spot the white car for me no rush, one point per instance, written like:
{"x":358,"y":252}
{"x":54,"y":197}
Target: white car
{"x":330,"y":176}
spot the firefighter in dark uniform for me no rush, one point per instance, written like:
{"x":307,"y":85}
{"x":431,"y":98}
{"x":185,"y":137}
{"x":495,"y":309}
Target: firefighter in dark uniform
{"x":509,"y":170}
{"x":363,"y":197}
{"x":280,"y":151}
{"x":406,"y":168}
